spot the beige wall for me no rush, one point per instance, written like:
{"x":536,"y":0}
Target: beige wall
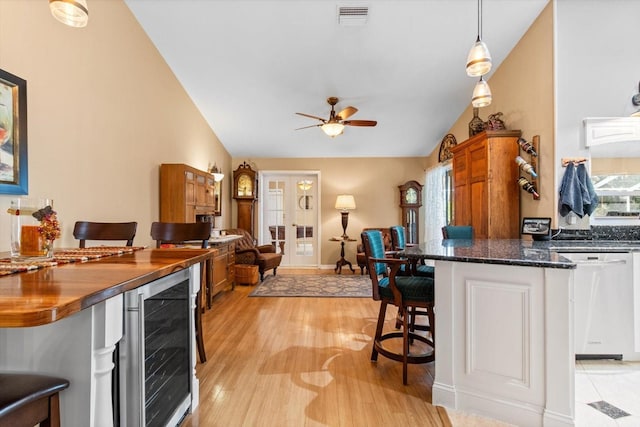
{"x":522,"y":89}
{"x":104,"y":111}
{"x":373,"y":182}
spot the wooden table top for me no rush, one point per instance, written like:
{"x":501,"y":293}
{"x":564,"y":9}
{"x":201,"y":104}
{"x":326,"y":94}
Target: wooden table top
{"x":43,"y":296}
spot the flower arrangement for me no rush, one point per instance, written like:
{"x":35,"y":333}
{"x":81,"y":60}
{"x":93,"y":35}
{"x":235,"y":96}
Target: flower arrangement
{"x":49,"y":226}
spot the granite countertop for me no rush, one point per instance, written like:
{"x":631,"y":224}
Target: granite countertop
{"x":528,"y":253}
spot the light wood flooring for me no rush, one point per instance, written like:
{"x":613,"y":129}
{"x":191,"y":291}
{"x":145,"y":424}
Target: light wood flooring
{"x":304,"y":362}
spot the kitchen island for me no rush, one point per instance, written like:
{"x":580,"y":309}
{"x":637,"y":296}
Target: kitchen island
{"x":504,"y":330}
{"x":66,"y":320}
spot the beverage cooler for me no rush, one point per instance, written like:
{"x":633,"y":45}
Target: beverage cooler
{"x":155,"y":353}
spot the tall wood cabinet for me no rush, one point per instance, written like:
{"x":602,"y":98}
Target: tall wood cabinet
{"x":486,"y":192}
{"x":186,"y":192}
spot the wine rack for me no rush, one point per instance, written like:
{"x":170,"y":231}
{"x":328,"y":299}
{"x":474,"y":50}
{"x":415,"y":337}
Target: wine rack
{"x":533,"y":150}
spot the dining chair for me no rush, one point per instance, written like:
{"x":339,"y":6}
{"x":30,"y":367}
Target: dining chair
{"x":403,"y":292}
{"x":457,"y":232}
{"x":87,"y":230}
{"x":29,"y":399}
{"x":177,"y":233}
{"x":399,"y":243}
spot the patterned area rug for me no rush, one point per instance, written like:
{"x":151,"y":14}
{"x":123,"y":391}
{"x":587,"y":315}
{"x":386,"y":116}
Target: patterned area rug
{"x":324,"y":285}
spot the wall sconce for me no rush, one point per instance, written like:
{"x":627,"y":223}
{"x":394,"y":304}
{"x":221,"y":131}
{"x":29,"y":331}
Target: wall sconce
{"x":217,"y":175}
{"x":74,"y":13}
{"x":305,"y":185}
{"x":345,"y":202}
{"x":635,"y":100}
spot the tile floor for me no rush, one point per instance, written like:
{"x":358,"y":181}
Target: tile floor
{"x":607,"y":393}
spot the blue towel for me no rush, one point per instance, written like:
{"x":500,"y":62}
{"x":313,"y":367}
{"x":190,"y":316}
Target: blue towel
{"x":577,"y":194}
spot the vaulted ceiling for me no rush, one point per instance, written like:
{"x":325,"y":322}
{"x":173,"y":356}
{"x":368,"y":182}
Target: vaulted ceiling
{"x":249,"y":66}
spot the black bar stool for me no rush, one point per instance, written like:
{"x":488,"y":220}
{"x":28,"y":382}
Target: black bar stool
{"x":28,"y":399}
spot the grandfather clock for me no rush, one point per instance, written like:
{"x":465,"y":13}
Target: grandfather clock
{"x":245,"y":186}
{"x":410,"y":202}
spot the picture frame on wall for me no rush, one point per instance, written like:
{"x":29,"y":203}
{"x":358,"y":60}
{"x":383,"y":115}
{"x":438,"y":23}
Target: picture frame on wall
{"x":14,"y":174}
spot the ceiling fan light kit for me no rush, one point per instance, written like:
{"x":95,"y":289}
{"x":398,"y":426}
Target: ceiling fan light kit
{"x":332,"y":129}
{"x":334,"y":126}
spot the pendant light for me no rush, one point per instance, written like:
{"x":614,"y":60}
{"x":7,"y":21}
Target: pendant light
{"x":481,"y":94}
{"x":479,"y":58}
{"x":74,"y":13}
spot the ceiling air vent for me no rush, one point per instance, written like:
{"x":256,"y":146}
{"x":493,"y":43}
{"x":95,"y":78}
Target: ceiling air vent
{"x":353,"y":15}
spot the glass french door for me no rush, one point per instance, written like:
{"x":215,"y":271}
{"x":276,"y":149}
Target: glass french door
{"x":288,"y":216}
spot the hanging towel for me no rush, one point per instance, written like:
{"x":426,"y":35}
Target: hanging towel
{"x":577,"y":194}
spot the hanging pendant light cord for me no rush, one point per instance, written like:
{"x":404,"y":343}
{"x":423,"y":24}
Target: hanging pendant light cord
{"x":479,"y":19}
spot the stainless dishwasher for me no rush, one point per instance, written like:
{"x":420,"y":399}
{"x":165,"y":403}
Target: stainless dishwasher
{"x":603,"y":309}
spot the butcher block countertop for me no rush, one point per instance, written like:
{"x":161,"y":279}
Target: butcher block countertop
{"x":49,"y":294}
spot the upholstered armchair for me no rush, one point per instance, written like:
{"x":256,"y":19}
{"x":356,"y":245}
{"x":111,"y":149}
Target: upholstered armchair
{"x":247,"y":252}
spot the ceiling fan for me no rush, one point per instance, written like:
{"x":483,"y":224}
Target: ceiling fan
{"x":336,"y":122}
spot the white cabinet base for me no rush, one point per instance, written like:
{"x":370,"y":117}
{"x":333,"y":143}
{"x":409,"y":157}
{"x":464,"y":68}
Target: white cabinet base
{"x":505,"y":342}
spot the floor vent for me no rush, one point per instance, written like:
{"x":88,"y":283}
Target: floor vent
{"x":353,"y":15}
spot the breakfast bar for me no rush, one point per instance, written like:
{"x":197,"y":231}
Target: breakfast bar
{"x":66,"y":320}
{"x":504,"y":316}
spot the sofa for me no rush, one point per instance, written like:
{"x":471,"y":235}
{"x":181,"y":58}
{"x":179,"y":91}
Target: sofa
{"x":247,"y":252}
{"x":361,"y":259}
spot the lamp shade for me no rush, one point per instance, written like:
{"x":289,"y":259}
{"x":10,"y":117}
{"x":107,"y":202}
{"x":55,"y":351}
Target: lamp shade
{"x":218,"y":176}
{"x":345,"y":202}
{"x":481,"y":94}
{"x":74,"y":13}
{"x":478,"y":60}
{"x":332,"y":128}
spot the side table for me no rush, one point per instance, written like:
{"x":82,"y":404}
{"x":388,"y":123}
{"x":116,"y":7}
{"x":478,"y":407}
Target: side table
{"x":342,"y":261}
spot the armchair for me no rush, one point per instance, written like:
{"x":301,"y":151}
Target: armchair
{"x":247,"y":252}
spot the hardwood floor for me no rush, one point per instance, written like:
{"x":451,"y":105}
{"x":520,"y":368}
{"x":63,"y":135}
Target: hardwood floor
{"x":304,"y":362}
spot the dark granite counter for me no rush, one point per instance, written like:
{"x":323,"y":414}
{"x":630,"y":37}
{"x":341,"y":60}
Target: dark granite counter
{"x":528,"y":253}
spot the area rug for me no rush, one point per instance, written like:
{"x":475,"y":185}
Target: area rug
{"x":320,"y":285}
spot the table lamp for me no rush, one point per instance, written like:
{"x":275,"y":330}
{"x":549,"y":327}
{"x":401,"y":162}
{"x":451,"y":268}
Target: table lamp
{"x":345,"y":202}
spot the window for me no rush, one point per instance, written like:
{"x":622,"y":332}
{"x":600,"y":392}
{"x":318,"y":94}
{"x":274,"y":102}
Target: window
{"x":618,"y":195}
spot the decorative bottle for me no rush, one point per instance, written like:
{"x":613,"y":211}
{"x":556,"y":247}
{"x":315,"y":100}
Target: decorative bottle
{"x":528,"y":187}
{"x":527,"y":147}
{"x":476,"y":125}
{"x":522,"y":164}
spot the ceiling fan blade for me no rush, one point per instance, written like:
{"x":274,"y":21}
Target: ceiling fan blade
{"x":307,"y":127}
{"x":359,"y":122}
{"x":312,"y":117}
{"x":347,"y":112}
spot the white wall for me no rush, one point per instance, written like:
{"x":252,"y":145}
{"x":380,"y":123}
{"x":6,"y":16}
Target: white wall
{"x":597,"y":68}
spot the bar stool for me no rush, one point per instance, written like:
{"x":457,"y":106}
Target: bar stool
{"x":28,"y":399}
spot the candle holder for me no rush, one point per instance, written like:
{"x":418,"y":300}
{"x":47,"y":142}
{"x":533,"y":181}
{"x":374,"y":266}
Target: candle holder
{"x":34,"y":227}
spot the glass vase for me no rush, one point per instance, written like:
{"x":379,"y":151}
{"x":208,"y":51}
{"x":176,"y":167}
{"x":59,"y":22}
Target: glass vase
{"x":28,"y":242}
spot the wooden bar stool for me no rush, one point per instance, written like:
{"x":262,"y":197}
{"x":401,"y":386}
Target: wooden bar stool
{"x":28,"y":399}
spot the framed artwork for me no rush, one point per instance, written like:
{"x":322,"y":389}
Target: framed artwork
{"x":14,"y":176}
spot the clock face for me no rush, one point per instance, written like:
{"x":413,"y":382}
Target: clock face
{"x":245,"y":186}
{"x":411,"y":196}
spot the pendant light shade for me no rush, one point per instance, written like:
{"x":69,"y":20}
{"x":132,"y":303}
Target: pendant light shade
{"x":481,"y":94}
{"x":479,"y":58}
{"x":73,"y":13}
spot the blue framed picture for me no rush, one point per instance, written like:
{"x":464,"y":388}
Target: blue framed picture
{"x":14,"y":174}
